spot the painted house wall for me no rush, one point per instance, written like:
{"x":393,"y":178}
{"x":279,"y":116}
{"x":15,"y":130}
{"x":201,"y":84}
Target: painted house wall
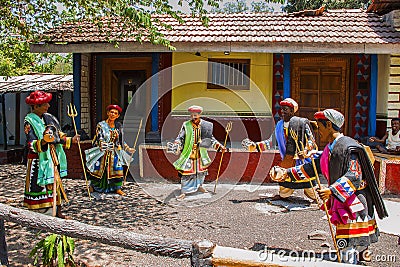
{"x":394,"y":88}
{"x":186,"y":92}
{"x":383,"y":85}
{"x":85,"y":103}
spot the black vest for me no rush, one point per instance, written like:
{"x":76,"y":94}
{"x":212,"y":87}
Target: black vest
{"x":339,"y":163}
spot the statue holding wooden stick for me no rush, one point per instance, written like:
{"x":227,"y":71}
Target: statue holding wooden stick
{"x":195,"y":136}
{"x":289,"y":134}
{"x":47,"y":162}
{"x":109,"y":153}
{"x":352,"y":193}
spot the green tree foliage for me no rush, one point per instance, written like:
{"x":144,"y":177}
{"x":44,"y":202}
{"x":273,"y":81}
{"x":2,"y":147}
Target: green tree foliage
{"x":28,"y":19}
{"x":299,"y":5}
{"x":260,"y":7}
{"x":232,"y":7}
{"x":24,"y":21}
{"x":242,"y":6}
{"x":15,"y":59}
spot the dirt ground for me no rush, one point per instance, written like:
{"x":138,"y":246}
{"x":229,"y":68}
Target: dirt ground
{"x":238,"y":218}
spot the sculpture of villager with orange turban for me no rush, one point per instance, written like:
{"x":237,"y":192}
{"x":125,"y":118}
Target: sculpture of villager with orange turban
{"x":106,"y":159}
{"x":195,"y":136}
{"x":41,"y":170}
{"x":287,"y":146}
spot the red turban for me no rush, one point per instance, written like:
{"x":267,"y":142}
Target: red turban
{"x":195,"y":109}
{"x":114,"y":107}
{"x":38,"y":98}
{"x":290,"y":103}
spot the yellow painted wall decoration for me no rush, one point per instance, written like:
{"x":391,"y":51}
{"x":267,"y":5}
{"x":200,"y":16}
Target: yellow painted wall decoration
{"x":189,"y":83}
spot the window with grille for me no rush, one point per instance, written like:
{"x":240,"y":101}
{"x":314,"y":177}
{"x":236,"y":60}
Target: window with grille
{"x":229,"y":73}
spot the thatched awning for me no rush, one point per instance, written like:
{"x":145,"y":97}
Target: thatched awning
{"x":32,"y":82}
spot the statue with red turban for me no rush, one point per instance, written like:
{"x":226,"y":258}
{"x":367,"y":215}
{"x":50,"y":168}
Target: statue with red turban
{"x":106,"y":159}
{"x":40,"y":176}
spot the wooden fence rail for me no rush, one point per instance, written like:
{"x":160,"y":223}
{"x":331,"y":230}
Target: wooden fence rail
{"x":176,"y":248}
{"x":202,"y":254}
{"x":3,"y":245}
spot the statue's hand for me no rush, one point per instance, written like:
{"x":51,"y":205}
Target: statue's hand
{"x":76,"y":139}
{"x":278,"y":174}
{"x":249,"y":145}
{"x":324,"y":193}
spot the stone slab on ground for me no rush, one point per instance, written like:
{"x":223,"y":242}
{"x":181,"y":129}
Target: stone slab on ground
{"x":391,"y":224}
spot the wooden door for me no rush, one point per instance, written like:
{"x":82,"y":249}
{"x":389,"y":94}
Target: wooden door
{"x":114,"y":89}
{"x":110,"y":83}
{"x":319,"y":83}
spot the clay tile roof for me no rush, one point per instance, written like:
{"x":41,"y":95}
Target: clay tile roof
{"x":32,"y":82}
{"x":383,"y":6}
{"x":335,"y":26}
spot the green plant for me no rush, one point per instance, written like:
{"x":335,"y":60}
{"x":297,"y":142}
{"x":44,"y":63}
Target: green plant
{"x":54,"y":250}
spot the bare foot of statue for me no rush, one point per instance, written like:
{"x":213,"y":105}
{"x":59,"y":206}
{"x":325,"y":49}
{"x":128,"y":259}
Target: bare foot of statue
{"x":181,"y":197}
{"x":277,"y":197}
{"x":120,"y":192}
{"x":62,"y":216}
{"x":202,"y":189}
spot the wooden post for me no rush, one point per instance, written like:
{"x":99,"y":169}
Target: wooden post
{"x":170,"y":247}
{"x":202,"y":254}
{"x":3,"y":245}
{"x":17,"y":119}
{"x":4,"y":119}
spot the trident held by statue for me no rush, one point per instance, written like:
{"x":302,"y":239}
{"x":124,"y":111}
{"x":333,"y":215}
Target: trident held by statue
{"x":134,"y":147}
{"x":73,"y":113}
{"x":228,"y":128}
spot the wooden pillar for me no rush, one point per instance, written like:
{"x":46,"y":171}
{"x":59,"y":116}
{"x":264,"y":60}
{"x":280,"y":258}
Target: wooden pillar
{"x":17,"y":119}
{"x":202,"y":254}
{"x":3,"y":245}
{"x":287,"y":90}
{"x":77,"y":87}
{"x":4,"y":119}
{"x":373,"y":96}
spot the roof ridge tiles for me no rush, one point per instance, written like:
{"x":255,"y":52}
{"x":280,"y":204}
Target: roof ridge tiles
{"x":334,"y":26}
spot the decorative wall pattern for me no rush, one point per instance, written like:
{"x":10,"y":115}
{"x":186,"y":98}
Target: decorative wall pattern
{"x":361,"y":96}
{"x":277,"y":93}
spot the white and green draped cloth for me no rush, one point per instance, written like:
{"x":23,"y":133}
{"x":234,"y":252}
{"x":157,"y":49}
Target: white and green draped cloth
{"x":40,"y":167}
{"x":46,"y":166}
{"x":194,"y":159}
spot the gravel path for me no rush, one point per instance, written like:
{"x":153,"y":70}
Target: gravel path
{"x":237,"y":218}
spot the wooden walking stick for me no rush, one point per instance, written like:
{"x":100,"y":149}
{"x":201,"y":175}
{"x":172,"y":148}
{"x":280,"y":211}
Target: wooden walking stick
{"x":325,"y":207}
{"x":56,"y":175}
{"x":73,"y":113}
{"x":228,"y":128}
{"x":134,"y":146}
{"x":312,"y":186}
{"x":295,"y":137}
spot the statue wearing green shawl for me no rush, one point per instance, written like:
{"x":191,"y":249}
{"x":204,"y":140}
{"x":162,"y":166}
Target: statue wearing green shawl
{"x":40,"y":175}
{"x":193,"y":140}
